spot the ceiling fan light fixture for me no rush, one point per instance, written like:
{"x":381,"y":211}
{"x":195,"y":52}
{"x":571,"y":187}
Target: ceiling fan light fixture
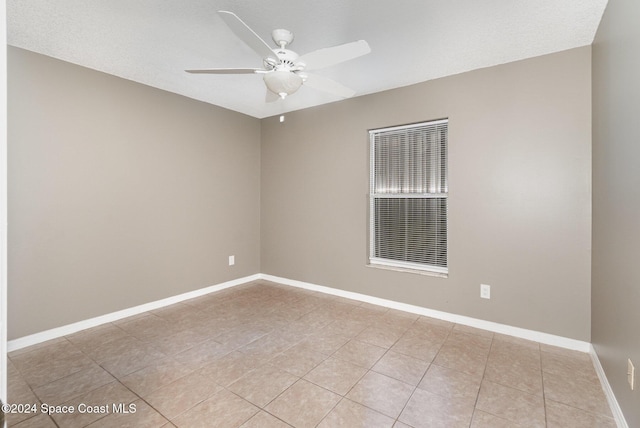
{"x":282,"y":82}
{"x":283,"y":68}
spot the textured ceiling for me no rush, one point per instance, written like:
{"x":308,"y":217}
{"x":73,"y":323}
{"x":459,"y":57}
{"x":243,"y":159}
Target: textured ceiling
{"x":153,"y":41}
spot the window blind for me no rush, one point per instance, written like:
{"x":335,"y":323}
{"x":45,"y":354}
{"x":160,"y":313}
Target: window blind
{"x":408,"y":196}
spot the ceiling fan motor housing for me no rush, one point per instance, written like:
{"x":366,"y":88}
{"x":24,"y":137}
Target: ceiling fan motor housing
{"x":287,"y":59}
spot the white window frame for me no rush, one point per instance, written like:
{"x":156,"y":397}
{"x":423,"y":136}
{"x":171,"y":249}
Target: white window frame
{"x":374,"y":194}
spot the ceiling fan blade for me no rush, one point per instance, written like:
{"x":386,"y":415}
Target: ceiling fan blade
{"x":226,"y":71}
{"x":247,"y":35}
{"x":329,"y":56}
{"x":327,"y":85}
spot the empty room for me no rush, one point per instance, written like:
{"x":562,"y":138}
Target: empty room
{"x":333,"y":214}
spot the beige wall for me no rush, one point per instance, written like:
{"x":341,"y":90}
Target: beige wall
{"x":519,"y":204}
{"x":120,"y":194}
{"x":616,"y":200}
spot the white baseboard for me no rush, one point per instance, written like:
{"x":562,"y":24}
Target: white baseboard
{"x":57,"y":332}
{"x":537,"y":336}
{"x":608,"y":391}
{"x":546,"y":338}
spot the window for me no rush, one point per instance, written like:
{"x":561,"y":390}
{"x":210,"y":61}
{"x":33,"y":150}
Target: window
{"x":408,"y":197}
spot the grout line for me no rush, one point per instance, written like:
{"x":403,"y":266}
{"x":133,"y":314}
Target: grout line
{"x":324,"y":327}
{"x":494,"y":327}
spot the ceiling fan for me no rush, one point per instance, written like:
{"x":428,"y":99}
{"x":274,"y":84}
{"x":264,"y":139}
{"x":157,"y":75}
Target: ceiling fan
{"x":284,"y":71}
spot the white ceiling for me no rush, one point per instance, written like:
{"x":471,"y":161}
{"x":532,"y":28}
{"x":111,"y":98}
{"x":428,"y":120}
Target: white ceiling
{"x":153,"y":41}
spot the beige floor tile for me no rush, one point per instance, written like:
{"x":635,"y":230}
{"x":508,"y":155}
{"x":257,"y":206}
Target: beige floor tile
{"x":225,"y":408}
{"x":241,"y":335}
{"x":576,"y":391}
{"x":262,"y":385}
{"x":451,"y":383}
{"x":132,"y":359}
{"x":159,"y":373}
{"x":78,"y":383}
{"x":487,"y":420}
{"x":428,"y":331}
{"x":325,"y":342}
{"x":526,"y":380}
{"x":380,"y":335}
{"x":562,"y":416}
{"x":336,"y":375}
{"x":472,"y":330}
{"x":298,"y":360}
{"x":419,"y":346}
{"x":102,"y":351}
{"x":569,"y":364}
{"x":39,"y":421}
{"x":428,"y":322}
{"x":563,"y":351}
{"x":92,"y":338}
{"x":148,"y":327}
{"x":181,"y":395}
{"x":479,"y":343}
{"x":516,"y":354}
{"x":295,"y":328}
{"x":49,"y":363}
{"x":270,"y":345}
{"x":202,"y":354}
{"x":516,"y":366}
{"x":111,"y":394}
{"x":338,"y":306}
{"x":399,"y":319}
{"x":181,"y":341}
{"x":349,"y":414}
{"x":316,"y":319}
{"x":402,"y":367}
{"x":300,"y":308}
{"x":511,"y":404}
{"x":303,"y":404}
{"x":367,"y":312}
{"x":231,"y":367}
{"x":263,"y":419}
{"x":19,"y":392}
{"x":18,"y":415}
{"x":500,"y":338}
{"x":462,"y":357}
{"x":381,"y":393}
{"x":360,"y":353}
{"x":180,"y":314}
{"x":139,"y":414}
{"x":254,"y":342}
{"x":349,"y":328}
{"x":426,"y":409}
{"x":48,"y":346}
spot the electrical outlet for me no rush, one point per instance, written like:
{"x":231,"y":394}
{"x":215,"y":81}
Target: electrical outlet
{"x":485,"y":291}
{"x":232,"y":260}
{"x":631,"y":373}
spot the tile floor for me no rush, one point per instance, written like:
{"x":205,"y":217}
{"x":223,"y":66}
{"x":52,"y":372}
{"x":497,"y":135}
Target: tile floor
{"x":266,"y":355}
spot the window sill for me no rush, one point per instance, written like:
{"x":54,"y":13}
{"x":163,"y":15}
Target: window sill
{"x":408,"y":270}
